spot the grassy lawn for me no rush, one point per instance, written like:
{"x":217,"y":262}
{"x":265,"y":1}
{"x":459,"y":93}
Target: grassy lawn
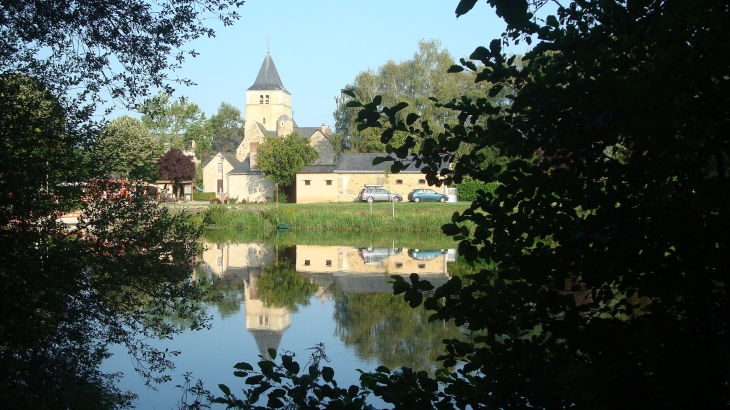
{"x":341,"y":216}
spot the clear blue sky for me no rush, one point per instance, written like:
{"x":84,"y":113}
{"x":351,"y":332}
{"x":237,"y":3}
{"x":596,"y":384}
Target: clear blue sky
{"x":319,"y":47}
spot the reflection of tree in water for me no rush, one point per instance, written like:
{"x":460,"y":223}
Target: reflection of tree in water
{"x":383,"y":328}
{"x":280,"y":286}
{"x":228,"y":294}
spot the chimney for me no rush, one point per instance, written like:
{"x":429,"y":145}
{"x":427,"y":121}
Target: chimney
{"x":253,"y":155}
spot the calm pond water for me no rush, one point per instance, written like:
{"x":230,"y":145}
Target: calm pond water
{"x":291,"y":297}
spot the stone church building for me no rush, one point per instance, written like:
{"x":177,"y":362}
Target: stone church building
{"x":268,"y":112}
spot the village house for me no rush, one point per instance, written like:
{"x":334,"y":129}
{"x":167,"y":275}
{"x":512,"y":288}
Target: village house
{"x":343,"y":181}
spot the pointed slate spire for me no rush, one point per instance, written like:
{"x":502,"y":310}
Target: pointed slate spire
{"x":268,"y":78}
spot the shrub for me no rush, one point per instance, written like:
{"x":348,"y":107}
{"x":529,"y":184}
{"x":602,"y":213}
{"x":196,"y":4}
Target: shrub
{"x":468,"y":190}
{"x":203,"y":196}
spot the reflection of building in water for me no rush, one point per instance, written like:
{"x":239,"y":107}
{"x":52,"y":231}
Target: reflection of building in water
{"x":247,"y":262}
{"x":239,"y":259}
{"x":367,"y":261}
{"x":366,"y":270}
{"x":267,"y":324}
{"x":352,"y":270}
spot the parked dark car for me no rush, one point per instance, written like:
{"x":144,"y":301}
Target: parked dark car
{"x":378,"y":194}
{"x":418,"y":195}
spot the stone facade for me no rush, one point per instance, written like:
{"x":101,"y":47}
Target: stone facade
{"x":250,"y":188}
{"x":212,"y":172}
{"x":344,"y":181}
{"x":345,"y":187}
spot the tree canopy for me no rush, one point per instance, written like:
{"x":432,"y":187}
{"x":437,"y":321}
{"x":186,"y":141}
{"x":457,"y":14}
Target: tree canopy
{"x":174,"y":165}
{"x":412,"y":81}
{"x":604,"y":252}
{"x":101,"y":51}
{"x":177,"y":167}
{"x":177,"y":123}
{"x":69,"y":293}
{"x":280,"y":158}
{"x":226,"y":128}
{"x":126,"y":147}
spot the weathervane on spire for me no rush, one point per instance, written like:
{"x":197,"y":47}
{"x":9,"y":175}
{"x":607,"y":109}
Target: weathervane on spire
{"x":267,"y":42}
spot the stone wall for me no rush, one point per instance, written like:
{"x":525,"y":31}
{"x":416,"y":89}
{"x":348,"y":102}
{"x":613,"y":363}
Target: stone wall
{"x":251,"y":188}
{"x":346,"y":187}
{"x":211,"y":175}
{"x":324,"y":148}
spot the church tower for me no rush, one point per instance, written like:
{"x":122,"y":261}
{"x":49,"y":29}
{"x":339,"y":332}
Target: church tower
{"x":267,"y":100}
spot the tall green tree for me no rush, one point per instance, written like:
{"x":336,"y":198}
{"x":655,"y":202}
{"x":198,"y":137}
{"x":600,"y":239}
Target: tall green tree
{"x":177,"y":123}
{"x":280,"y":158}
{"x":68,"y":294}
{"x":226,"y":128}
{"x":413,"y":81}
{"x":126,"y":147}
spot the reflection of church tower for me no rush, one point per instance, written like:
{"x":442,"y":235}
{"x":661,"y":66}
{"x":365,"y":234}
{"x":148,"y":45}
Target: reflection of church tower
{"x":267,"y":101}
{"x":267,"y":324}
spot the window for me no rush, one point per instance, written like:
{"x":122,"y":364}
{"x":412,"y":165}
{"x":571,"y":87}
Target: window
{"x":329,"y":182}
{"x":267,"y":99}
{"x":399,"y":182}
{"x":421,"y":181}
{"x":261,"y":99}
{"x":219,"y":261}
{"x":421,"y":266}
{"x":306,"y":262}
{"x":328,"y":262}
{"x":307,"y":182}
{"x":220,"y":167}
{"x":264,"y":120}
{"x":398,"y":265}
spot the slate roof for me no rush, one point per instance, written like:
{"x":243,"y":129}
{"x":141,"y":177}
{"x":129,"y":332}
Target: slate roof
{"x":265,"y":340}
{"x":317,"y":169}
{"x":268,"y":77}
{"x":244,"y":168}
{"x":306,"y":132}
{"x":264,"y":131}
{"x":363,"y":163}
{"x":231,"y":158}
{"x":376,"y":283}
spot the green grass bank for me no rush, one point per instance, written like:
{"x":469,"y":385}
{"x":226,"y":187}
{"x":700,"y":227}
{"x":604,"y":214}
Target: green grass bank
{"x":342,"y":217}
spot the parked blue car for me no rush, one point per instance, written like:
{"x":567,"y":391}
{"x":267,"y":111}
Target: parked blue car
{"x":426,"y":255}
{"x":418,"y":195}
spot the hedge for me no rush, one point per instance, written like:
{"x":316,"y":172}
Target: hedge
{"x":467,"y":190}
{"x":204,"y":196}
